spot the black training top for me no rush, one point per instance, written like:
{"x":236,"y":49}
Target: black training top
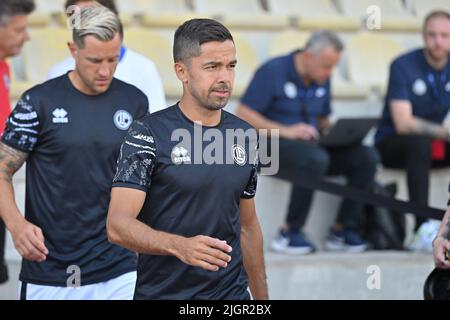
{"x":193,"y":187}
{"x":73,"y":141}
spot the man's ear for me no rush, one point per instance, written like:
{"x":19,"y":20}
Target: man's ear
{"x":73,"y":49}
{"x":181,"y":71}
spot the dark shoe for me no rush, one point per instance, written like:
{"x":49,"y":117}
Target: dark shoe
{"x":345,"y":241}
{"x":292,"y":242}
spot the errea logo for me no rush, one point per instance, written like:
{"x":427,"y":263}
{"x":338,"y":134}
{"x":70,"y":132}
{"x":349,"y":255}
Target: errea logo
{"x":180,"y":155}
{"x":60,"y":116}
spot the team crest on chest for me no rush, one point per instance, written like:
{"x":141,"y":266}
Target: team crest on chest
{"x":239,"y":154}
{"x":123,"y":119}
{"x":419,"y":87}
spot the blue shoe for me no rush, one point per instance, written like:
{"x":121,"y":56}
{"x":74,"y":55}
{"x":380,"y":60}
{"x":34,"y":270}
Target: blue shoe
{"x":345,"y":241}
{"x":292,"y":242}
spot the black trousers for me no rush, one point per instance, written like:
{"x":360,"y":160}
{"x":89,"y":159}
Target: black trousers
{"x":358,"y":163}
{"x":413,"y":153}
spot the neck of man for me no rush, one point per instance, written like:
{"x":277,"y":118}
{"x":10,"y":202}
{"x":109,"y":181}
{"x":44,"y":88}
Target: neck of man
{"x":300,"y":68}
{"x":3,"y":55}
{"x":77,"y":82}
{"x":436,"y":64}
{"x":198,"y":114}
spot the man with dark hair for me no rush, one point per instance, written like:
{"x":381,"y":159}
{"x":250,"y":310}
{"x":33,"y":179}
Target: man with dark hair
{"x":69,"y":130}
{"x":133,"y":67}
{"x":192,"y":220}
{"x":297,"y":101}
{"x":13,"y":35}
{"x":411,"y":134}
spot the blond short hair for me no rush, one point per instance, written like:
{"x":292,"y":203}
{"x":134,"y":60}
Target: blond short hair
{"x":96,"y":21}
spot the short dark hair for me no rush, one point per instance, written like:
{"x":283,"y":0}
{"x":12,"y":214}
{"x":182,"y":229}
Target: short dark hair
{"x":110,"y":4}
{"x":435,"y":14}
{"x":193,"y":33}
{"x":10,"y":8}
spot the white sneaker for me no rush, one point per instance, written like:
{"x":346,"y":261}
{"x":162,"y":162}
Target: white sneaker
{"x":423,"y":239}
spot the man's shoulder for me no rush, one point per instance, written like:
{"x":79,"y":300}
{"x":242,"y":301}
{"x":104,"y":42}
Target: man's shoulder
{"x":163,"y":117}
{"x":46,"y":89}
{"x":410,"y":57}
{"x":128,"y":87}
{"x":236,"y":122}
{"x":276,"y":62}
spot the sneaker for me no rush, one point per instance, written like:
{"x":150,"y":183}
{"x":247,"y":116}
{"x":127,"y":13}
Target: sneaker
{"x":423,"y":239}
{"x":3,"y":273}
{"x":346,"y":241}
{"x":292,"y":242}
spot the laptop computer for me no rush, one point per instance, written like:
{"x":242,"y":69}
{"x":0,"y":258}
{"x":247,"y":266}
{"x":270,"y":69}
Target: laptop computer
{"x":348,"y":131}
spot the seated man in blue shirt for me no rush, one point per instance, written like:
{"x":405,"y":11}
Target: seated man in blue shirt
{"x":411,"y":134}
{"x":296,"y":100}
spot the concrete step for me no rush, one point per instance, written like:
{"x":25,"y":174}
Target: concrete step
{"x":372,"y":275}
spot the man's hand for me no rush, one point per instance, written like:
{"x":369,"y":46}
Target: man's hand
{"x":204,"y":252}
{"x":440,"y":248}
{"x":29,"y":241}
{"x":300,"y":131}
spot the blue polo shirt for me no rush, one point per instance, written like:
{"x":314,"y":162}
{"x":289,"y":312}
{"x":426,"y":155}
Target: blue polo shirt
{"x":278,"y":93}
{"x":413,"y":79}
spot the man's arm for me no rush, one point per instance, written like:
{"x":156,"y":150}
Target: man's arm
{"x":324,"y":124}
{"x":441,"y":244}
{"x":124,"y":229}
{"x":301,"y":131}
{"x":252,"y":250}
{"x":406,"y":123}
{"x":28,"y":238}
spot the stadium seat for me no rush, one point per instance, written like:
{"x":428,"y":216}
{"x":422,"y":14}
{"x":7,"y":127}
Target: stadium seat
{"x":286,"y":41}
{"x":46,"y":47}
{"x":39,"y":19}
{"x":129,"y":9}
{"x":158,"y":48}
{"x":50,"y":6}
{"x":393,"y":15}
{"x":248,"y":14}
{"x":342,"y":88}
{"x":312,"y":15}
{"x":45,"y":9}
{"x":368,"y":57}
{"x":246,"y":66}
{"x":422,"y":8}
{"x":166,"y":13}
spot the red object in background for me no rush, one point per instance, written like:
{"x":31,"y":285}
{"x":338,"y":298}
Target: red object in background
{"x":437,"y":150}
{"x":5,"y":108}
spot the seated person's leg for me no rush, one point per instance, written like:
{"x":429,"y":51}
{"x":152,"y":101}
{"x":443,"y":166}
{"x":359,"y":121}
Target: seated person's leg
{"x":358,"y":164}
{"x":412,"y":153}
{"x":296,"y":159}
